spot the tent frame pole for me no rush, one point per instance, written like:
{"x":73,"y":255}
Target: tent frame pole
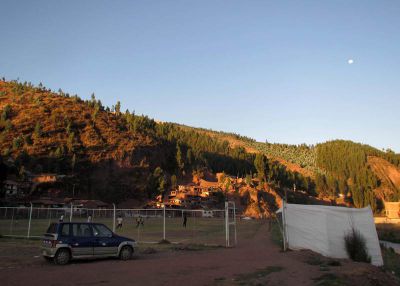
{"x":285,"y":246}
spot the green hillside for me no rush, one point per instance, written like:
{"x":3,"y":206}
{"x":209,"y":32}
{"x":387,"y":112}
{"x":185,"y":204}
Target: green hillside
{"x":111,"y":154}
{"x":115,"y":155}
{"x":337,"y":167}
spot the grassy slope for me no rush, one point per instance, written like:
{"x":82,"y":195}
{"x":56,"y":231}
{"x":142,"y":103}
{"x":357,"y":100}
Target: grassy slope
{"x":302,"y":158}
{"x":257,"y":147}
{"x":103,"y":138}
{"x":95,"y":139}
{"x":388,"y":174}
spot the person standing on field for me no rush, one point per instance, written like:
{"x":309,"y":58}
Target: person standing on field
{"x":119,"y":222}
{"x":184,"y":219}
{"x":139,"y":221}
{"x":61,"y":218}
{"x":89,"y":219}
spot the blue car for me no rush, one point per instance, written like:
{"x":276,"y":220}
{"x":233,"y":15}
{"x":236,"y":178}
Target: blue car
{"x":64,"y":241}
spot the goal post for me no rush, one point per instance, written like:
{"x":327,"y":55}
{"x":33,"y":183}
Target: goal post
{"x":230,"y":221}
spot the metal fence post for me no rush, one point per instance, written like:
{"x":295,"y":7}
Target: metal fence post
{"x":12,"y":221}
{"x":284,"y":225}
{"x":234,"y":221}
{"x":72,"y":210}
{"x":226,"y":224}
{"x":164,"y":222}
{"x":30,"y":218}
{"x":114,"y":218}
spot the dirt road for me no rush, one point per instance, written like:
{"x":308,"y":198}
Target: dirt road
{"x":254,"y":261}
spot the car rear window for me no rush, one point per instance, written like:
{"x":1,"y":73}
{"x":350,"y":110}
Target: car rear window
{"x":52,"y":228}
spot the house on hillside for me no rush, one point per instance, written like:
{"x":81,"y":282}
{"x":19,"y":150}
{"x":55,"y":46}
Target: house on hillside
{"x":15,"y":190}
{"x":192,"y":195}
{"x":90,"y":204}
{"x":44,"y":178}
{"x":392,"y":210}
{"x":47,"y":203}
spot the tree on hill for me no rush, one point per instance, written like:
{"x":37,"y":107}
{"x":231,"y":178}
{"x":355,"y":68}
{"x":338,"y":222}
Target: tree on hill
{"x":261,"y":165}
{"x":156,"y":183}
{"x":6,"y":113}
{"x":118,"y":108}
{"x":180,"y":161}
{"x":174,"y":182}
{"x":38,"y":130}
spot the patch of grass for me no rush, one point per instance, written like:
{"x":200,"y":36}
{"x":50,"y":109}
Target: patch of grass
{"x":323,"y":268}
{"x":145,"y":248}
{"x":391,"y":261}
{"x":329,"y":279}
{"x":195,"y":247}
{"x":334,"y":263}
{"x":248,"y":228}
{"x":164,"y":241}
{"x":276,"y":235}
{"x":389,"y":232}
{"x":314,"y":260}
{"x":21,"y":241}
{"x":255,"y":278}
{"x":148,"y":250}
{"x":323,"y":263}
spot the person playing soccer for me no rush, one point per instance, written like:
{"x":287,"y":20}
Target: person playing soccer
{"x":119,"y":222}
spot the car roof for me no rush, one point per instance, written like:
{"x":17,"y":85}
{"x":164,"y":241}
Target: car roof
{"x":80,"y":222}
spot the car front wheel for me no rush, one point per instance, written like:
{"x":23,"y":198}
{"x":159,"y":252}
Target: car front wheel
{"x":48,"y":259}
{"x":126,"y":253}
{"x":62,"y":257}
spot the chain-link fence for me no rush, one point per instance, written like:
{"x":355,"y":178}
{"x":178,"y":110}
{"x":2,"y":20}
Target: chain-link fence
{"x":215,"y":227}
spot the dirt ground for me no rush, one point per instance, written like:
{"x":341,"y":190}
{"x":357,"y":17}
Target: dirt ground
{"x":255,"y":261}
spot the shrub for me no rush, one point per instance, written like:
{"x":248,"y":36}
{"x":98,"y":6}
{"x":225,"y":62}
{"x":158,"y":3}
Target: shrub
{"x":8,"y":126}
{"x":28,"y":139}
{"x":38,"y":130}
{"x":6,"y":113}
{"x":6,"y":152}
{"x":356,"y":246}
{"x":18,"y":142}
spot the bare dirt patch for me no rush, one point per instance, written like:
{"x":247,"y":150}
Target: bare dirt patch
{"x":257,"y":260}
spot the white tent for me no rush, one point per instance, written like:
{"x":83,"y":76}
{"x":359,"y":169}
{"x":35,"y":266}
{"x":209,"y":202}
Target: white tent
{"x":322,"y":229}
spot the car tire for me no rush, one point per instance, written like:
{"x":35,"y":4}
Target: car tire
{"x":48,"y":259}
{"x":62,"y":257}
{"x":126,"y":253}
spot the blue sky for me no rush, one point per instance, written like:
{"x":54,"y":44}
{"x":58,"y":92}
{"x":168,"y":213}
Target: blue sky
{"x":274,"y":70}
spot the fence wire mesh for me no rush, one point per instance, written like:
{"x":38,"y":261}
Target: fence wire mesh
{"x":144,"y":225}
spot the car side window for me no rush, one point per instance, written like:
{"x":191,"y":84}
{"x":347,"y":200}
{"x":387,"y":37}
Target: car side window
{"x":101,"y":231}
{"x":81,"y":230}
{"x":65,"y":230}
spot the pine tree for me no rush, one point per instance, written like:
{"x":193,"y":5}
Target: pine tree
{"x":118,"y":108}
{"x":38,"y":130}
{"x":179,"y":158}
{"x":174,"y":182}
{"x":261,"y":165}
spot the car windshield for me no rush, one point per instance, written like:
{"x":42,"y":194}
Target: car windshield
{"x":52,"y":228}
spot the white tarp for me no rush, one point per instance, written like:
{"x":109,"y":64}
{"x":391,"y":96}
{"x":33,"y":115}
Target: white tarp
{"x":322,"y":229}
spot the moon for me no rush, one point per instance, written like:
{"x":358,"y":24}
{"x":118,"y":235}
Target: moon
{"x":350,"y":61}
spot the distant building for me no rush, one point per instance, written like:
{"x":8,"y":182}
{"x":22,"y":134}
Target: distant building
{"x":90,"y":204}
{"x":15,"y":190}
{"x":392,"y":209}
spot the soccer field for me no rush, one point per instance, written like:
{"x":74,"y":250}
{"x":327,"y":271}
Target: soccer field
{"x":197,"y":230}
